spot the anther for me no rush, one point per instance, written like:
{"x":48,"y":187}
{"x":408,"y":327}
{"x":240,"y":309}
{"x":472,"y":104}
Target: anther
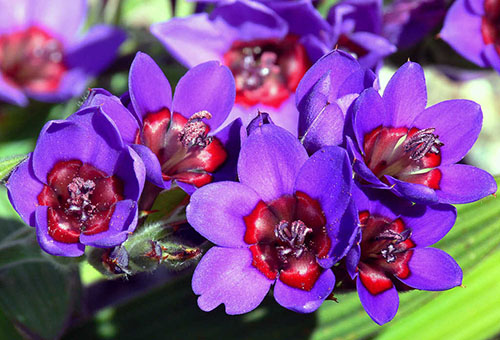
{"x":195,"y":131}
{"x":423,"y":142}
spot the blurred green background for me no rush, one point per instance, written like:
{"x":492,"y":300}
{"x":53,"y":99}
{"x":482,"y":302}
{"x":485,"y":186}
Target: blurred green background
{"x":46,"y":297}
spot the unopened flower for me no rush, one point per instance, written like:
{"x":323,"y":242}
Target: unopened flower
{"x":392,"y":251}
{"x":80,"y":185}
{"x":268,"y":48}
{"x":42,"y":55}
{"x":471,"y":28}
{"x":179,"y":139}
{"x":284,"y":223}
{"x":402,"y":146}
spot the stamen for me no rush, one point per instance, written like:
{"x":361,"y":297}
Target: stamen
{"x":422,"y":142}
{"x":294,"y":235}
{"x":395,"y":236}
{"x":79,"y":202}
{"x":195,"y":131}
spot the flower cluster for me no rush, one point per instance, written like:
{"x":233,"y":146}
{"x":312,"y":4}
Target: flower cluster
{"x":287,"y":157}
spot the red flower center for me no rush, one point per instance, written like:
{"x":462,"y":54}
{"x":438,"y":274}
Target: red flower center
{"x":32,"y":59}
{"x":490,"y":25}
{"x":267,"y":71}
{"x":385,"y":251}
{"x":185,"y":151}
{"x":286,"y":237}
{"x":406,"y":154}
{"x":81,"y":199}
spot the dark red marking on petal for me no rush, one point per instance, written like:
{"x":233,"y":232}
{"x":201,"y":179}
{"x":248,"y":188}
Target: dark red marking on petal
{"x":177,"y":143}
{"x":62,"y":228}
{"x":386,"y":248}
{"x":490,"y":24}
{"x":61,"y":176}
{"x":99,"y":222}
{"x":265,"y":260}
{"x":48,"y":197}
{"x":267,"y":71}
{"x":154,"y":128}
{"x":282,"y":242}
{"x":408,"y":155}
{"x":32,"y":59}
{"x":81,"y":198}
{"x":375,"y":281}
{"x":301,"y":273}
{"x":260,"y":224}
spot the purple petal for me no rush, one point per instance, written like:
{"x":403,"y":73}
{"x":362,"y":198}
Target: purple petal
{"x":11,"y":94}
{"x":339,"y":63}
{"x":230,"y":138}
{"x":251,"y":19}
{"x":285,"y":116}
{"x":433,"y":225}
{"x":353,"y":256}
{"x":490,"y":55}
{"x":377,"y":47}
{"x":48,"y":244}
{"x":303,"y":301}
{"x":476,"y":6}
{"x":405,"y":95}
{"x":97,"y":50}
{"x":153,"y":167}
{"x":121,"y":225}
{"x":464,"y":184}
{"x":23,"y":188}
{"x":462,"y":30}
{"x":64,"y":18}
{"x":94,"y":139}
{"x":195,"y":39}
{"x":357,"y":82}
{"x":457,"y":123}
{"x":123,"y":118}
{"x":344,"y":235}
{"x":417,"y":193}
{"x":130,"y":168}
{"x":14,"y":15}
{"x":381,"y":307}
{"x":209,"y":86}
{"x":360,"y":168}
{"x":326,"y":129}
{"x":303,"y":19}
{"x":327,"y":178}
{"x":433,"y":269}
{"x":315,"y":47}
{"x":269,"y":162}
{"x":216,"y":211}
{"x":370,"y":114}
{"x":226,"y":276}
{"x":149,"y":89}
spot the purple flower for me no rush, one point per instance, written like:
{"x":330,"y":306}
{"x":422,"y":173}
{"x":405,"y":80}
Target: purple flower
{"x":280,"y":224}
{"x":471,"y":28}
{"x":80,"y":185}
{"x":357,"y":28}
{"x":268,"y":48}
{"x":41,"y":53}
{"x":324,"y":97}
{"x":412,"y":150}
{"x":406,"y":22}
{"x":178,"y":139}
{"x":392,"y":251}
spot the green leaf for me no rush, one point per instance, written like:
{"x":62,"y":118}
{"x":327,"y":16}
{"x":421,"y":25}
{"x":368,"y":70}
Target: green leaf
{"x":460,"y":313}
{"x":145,"y":12}
{"x":7,"y":329}
{"x":36,"y":292}
{"x":324,"y":7}
{"x":8,"y":164}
